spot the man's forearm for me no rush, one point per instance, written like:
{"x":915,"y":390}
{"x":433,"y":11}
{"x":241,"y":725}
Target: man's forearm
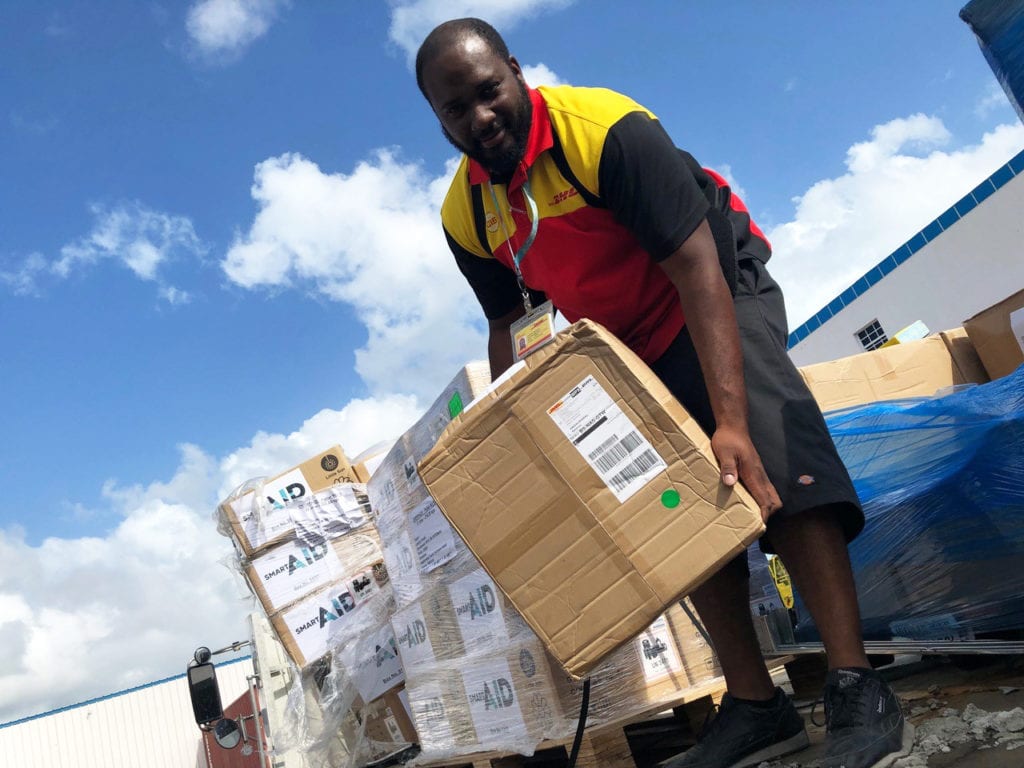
{"x":499,"y":342}
{"x":711,"y":319}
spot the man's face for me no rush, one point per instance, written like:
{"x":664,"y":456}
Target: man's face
{"x":482,"y":103}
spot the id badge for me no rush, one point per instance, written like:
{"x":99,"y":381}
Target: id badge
{"x":533,"y":330}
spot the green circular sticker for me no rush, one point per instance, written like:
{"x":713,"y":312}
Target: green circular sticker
{"x":670,"y":498}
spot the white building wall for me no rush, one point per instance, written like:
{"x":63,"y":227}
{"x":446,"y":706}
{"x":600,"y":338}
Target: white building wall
{"x":973,"y":264}
{"x":151,"y":726}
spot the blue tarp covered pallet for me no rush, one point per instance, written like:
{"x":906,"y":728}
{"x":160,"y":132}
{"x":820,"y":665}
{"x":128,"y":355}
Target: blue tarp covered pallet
{"x":999,"y":27}
{"x":942,"y":484}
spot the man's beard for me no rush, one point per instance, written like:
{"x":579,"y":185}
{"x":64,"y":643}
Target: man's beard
{"x":502,"y":162}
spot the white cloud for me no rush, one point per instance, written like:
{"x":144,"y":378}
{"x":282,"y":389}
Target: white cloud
{"x":23,"y":278}
{"x":412,"y":20}
{"x":130,"y":234}
{"x":541,"y":74}
{"x":228,"y":27}
{"x":81,"y":618}
{"x":371,"y":239}
{"x":895,"y":184}
{"x":993,"y":99}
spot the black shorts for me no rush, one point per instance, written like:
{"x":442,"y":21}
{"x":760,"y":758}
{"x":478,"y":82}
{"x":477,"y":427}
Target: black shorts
{"x":786,"y":425}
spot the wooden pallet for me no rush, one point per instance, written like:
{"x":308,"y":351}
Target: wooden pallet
{"x":606,"y":745}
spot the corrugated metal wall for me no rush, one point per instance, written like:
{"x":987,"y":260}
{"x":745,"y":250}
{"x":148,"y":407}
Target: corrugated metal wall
{"x":151,"y":726}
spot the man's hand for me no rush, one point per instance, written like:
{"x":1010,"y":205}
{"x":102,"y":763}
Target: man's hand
{"x":739,"y":461}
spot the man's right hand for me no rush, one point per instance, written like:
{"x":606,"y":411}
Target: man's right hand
{"x":738,"y":460}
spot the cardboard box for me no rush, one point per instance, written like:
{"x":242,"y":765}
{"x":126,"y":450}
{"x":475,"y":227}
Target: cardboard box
{"x":998,"y":335}
{"x":638,"y":676}
{"x":463,"y":617}
{"x":259,"y":521}
{"x":505,"y":702}
{"x":965,"y":357}
{"x":289,"y":572}
{"x":914,"y":369}
{"x":417,"y":538}
{"x":323,"y":621}
{"x":388,"y":722}
{"x":588,"y":493}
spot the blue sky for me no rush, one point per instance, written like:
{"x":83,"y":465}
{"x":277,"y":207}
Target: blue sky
{"x":219,"y":251}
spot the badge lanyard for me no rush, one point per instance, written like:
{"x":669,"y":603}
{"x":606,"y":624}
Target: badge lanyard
{"x":537,"y":327}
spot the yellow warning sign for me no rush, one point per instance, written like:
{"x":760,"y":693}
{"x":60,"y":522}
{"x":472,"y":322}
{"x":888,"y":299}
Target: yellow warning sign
{"x":782,"y":581}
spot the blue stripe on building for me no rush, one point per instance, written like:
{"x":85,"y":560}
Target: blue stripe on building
{"x":948,"y":218}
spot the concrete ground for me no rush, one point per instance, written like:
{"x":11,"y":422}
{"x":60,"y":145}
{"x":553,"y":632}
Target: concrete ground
{"x":967,"y":718}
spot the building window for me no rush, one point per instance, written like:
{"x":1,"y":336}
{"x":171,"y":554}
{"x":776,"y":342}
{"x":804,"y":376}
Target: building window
{"x":871,"y":336}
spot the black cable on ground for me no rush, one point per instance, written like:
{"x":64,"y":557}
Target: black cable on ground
{"x":581,"y":726}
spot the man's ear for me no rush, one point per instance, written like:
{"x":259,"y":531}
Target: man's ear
{"x":517,"y":70}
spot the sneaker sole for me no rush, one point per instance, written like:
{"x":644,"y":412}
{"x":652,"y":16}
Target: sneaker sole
{"x":903,"y":751}
{"x":779,"y":749}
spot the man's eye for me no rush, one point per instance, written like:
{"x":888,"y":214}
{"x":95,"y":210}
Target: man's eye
{"x":489,"y":91}
{"x":453,"y":111}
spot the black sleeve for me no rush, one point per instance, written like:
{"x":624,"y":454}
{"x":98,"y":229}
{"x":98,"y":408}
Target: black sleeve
{"x":647,"y":185}
{"x":494,"y":284}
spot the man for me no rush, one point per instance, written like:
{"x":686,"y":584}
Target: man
{"x":579,"y":194}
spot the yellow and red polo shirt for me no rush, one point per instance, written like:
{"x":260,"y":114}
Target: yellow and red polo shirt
{"x":614,"y":196}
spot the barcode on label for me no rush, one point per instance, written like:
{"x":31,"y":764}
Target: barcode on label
{"x":645,"y":461}
{"x":611,"y":456}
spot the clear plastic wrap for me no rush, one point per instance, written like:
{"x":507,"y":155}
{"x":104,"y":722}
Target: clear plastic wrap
{"x":416,"y":537}
{"x":941,"y":556}
{"x":257,"y":514}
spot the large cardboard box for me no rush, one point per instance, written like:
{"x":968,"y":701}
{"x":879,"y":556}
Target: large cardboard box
{"x":998,"y":335}
{"x":914,"y":369}
{"x":588,"y":493}
{"x":260,"y":521}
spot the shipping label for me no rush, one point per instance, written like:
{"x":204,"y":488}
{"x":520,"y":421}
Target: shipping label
{"x":263,"y":514}
{"x":413,"y":639}
{"x":493,"y":703}
{"x":318,"y":623}
{"x":478,"y":612}
{"x":432,"y":536}
{"x":293,"y":570}
{"x":430,"y":711}
{"x":332,"y":512}
{"x":377,"y":667}
{"x":658,"y":654}
{"x":606,"y":439}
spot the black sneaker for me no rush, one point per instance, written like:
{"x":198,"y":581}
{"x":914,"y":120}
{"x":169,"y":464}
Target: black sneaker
{"x":743,"y":735}
{"x":865,"y":723}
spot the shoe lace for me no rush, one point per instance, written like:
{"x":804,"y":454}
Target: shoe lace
{"x":712,"y":721}
{"x":843,"y":707}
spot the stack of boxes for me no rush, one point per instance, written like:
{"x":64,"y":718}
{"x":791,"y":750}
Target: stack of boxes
{"x":477,"y":677}
{"x":404,"y":635}
{"x":312,"y":557}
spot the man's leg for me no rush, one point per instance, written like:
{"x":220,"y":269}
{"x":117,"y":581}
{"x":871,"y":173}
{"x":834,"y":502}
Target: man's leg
{"x":723,"y":604}
{"x":812,"y":546}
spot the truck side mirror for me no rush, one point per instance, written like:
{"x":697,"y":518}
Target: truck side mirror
{"x":205,"y":693}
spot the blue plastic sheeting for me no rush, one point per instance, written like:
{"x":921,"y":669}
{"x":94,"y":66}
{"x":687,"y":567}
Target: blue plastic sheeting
{"x":999,"y":27}
{"x":942,"y":485}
